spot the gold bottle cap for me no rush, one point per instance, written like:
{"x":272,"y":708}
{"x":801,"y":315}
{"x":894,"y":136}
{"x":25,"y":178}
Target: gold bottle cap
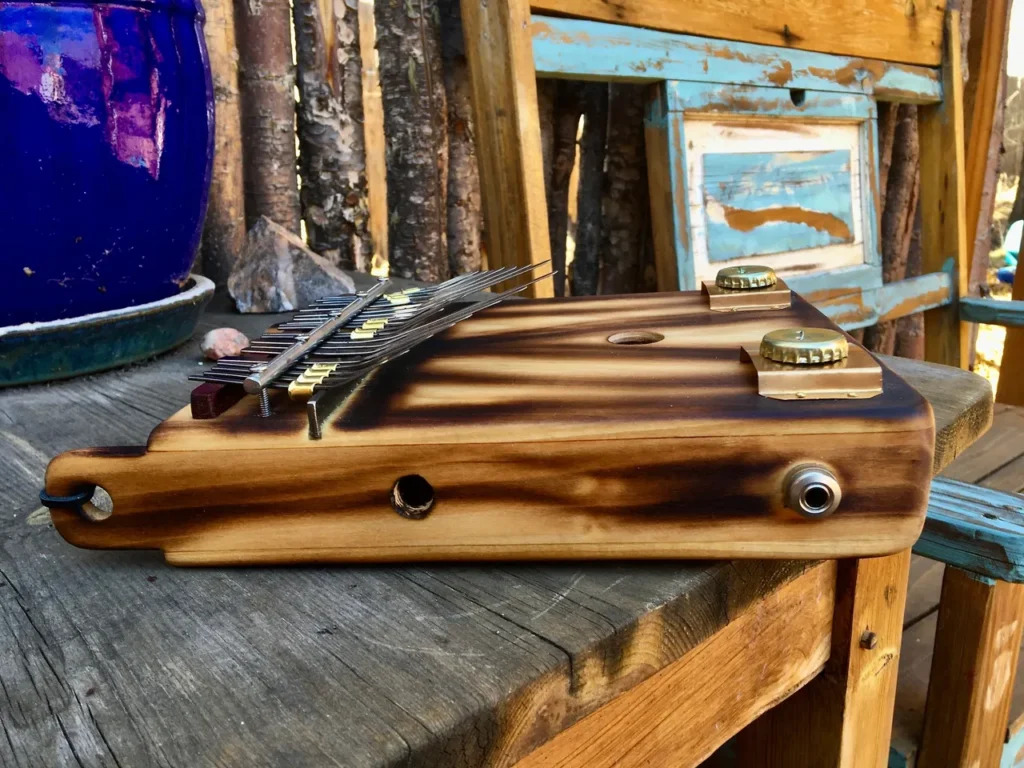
{"x":804,"y":346}
{"x":745,"y":278}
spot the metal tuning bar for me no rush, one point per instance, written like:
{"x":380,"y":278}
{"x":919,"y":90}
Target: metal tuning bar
{"x":259,"y":380}
{"x":332,"y":392}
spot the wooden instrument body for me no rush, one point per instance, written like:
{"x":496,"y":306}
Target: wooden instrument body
{"x":541,"y":440}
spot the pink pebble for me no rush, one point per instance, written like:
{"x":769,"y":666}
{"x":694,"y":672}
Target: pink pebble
{"x":223,"y":342}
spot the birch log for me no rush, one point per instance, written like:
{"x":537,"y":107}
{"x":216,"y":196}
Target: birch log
{"x":330,"y":124}
{"x":224,"y":229}
{"x":465,"y":218}
{"x":266,"y":80}
{"x":415,"y":123}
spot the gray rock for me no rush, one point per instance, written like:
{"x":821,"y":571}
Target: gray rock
{"x":276,"y":272}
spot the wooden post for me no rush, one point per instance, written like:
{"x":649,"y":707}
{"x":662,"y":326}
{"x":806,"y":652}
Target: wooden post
{"x":224,"y":230}
{"x":373,"y":138}
{"x":843,"y":718}
{"x":977,"y":643}
{"x":943,"y":224}
{"x":330,"y":113}
{"x":500,"y":54}
{"x":267,"y":79}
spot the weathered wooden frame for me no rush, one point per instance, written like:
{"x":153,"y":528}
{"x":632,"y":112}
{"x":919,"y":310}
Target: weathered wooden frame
{"x":501,"y":33}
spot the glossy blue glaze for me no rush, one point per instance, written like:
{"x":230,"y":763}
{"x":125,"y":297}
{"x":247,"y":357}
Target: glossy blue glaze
{"x":106,"y":138}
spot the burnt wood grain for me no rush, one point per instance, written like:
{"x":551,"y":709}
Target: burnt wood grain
{"x":538,"y":438}
{"x":115,"y":659}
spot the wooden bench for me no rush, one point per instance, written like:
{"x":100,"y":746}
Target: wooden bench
{"x":117,"y":657}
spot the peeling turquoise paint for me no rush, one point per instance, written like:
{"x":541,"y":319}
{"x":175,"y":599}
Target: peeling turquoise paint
{"x":781,"y":102}
{"x":774,"y":202}
{"x":1013,"y":748}
{"x":573,"y":47}
{"x":978,"y":529}
{"x":1005,"y":313}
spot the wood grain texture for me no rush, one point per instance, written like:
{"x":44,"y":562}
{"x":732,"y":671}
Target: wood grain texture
{"x":843,"y":719}
{"x":975,"y":528}
{"x":867,"y":306}
{"x":977,"y":643}
{"x":374,"y":139}
{"x":500,"y":58}
{"x":433,"y":665}
{"x":881,"y":30}
{"x":224,"y":228}
{"x":1011,"y":371}
{"x":943,"y":205}
{"x":666,"y":186}
{"x":985,"y":65}
{"x":586,"y":49}
{"x":516,"y":458}
{"x":661,"y":721}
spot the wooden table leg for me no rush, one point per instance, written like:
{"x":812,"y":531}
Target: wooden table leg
{"x":843,"y":718}
{"x":977,"y":643}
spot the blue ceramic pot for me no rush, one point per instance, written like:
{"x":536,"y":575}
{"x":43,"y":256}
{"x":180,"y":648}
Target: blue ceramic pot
{"x":106,"y":138}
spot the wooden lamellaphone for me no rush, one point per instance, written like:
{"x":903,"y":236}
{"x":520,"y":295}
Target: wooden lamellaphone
{"x":663,"y":425}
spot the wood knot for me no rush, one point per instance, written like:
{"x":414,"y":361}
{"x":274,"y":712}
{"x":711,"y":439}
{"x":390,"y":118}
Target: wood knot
{"x":869,"y":641}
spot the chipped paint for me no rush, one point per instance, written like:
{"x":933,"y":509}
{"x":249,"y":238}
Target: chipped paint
{"x":566,"y":47}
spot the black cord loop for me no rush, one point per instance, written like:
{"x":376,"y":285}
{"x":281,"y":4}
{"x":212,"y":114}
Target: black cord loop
{"x":74,"y":501}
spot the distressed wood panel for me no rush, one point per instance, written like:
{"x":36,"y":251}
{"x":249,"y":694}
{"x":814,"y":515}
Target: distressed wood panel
{"x":662,"y":722}
{"x":843,"y":718}
{"x":978,"y":310}
{"x":942,"y":205}
{"x":768,"y":102}
{"x":507,"y":132}
{"x":762,"y":203}
{"x":864,"y":307}
{"x":574,"y":48}
{"x":666,"y":182}
{"x":974,"y":663}
{"x":978,"y":529}
{"x":745,"y":137}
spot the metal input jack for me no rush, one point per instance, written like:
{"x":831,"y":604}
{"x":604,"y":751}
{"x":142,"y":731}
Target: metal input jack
{"x":812,"y":491}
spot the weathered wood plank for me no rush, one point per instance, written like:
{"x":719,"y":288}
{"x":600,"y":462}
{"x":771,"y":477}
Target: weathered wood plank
{"x":864,"y":307}
{"x":763,"y":203}
{"x":977,"y":644}
{"x":768,"y":102}
{"x":843,"y":718}
{"x":1006,"y":313}
{"x":584,"y":49}
{"x":942,"y":205}
{"x":224,"y":228}
{"x":975,"y":528}
{"x":961,"y":401}
{"x":1000,"y":446}
{"x":666,"y":183}
{"x":661,"y":721}
{"x":880,"y":30}
{"x":500,"y":57}
{"x":374,"y":139}
{"x":267,"y":659}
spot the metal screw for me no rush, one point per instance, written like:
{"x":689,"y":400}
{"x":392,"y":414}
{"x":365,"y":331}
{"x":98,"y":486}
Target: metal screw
{"x":869,"y":641}
{"x":265,"y":411}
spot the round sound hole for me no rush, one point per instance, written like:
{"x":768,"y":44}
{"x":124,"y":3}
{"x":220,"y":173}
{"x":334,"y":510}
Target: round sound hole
{"x":412,"y":496}
{"x":635,"y":337}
